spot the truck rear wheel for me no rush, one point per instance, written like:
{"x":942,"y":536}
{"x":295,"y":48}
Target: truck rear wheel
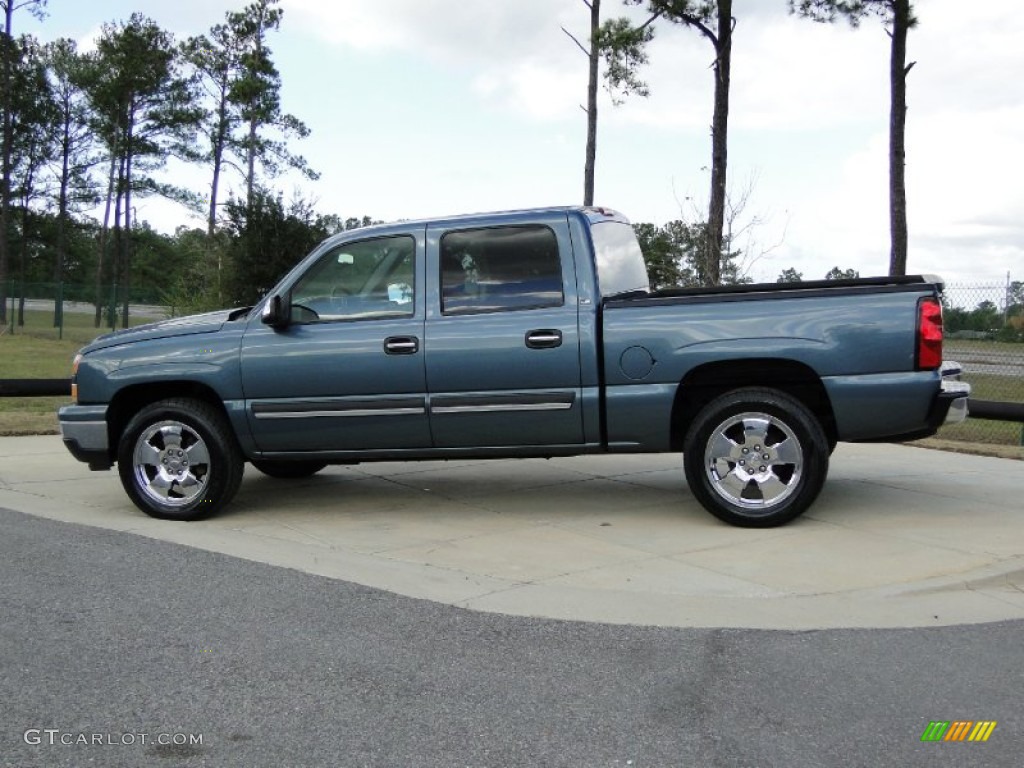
{"x":178,"y":460}
{"x":755,"y":458}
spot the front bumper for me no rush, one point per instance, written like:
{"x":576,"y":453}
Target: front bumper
{"x":84,"y":431}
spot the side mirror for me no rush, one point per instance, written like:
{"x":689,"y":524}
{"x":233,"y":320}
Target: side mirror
{"x":274,"y":313}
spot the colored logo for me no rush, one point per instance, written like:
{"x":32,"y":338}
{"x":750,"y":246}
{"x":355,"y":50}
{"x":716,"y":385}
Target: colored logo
{"x":958,"y":730}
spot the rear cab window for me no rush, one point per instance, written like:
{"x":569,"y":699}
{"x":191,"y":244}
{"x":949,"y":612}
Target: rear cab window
{"x":620,"y":263}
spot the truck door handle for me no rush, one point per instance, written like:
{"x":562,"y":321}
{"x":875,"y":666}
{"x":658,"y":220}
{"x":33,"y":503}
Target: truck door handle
{"x":401,"y":345}
{"x":544,"y":339}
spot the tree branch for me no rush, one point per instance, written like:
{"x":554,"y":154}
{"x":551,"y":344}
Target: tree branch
{"x":909,"y":67}
{"x":578,"y":43}
{"x":693,"y":21}
{"x":646,"y":24}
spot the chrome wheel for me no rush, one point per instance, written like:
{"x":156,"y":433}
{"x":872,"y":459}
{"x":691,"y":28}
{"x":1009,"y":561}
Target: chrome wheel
{"x":179,"y":460}
{"x":755,"y":457}
{"x":754,"y":460}
{"x":171,"y":464}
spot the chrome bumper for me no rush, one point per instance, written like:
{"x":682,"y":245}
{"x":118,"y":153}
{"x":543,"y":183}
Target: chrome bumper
{"x":955,"y":391}
{"x":84,"y":432}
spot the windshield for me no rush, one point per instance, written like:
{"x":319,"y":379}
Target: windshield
{"x":620,"y":264}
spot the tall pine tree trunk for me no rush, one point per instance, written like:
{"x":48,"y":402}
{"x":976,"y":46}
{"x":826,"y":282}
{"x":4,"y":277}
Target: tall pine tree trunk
{"x":898,"y":70}
{"x":7,"y":52}
{"x":217,"y":150}
{"x":104,"y":233}
{"x":219,"y":142}
{"x":115,"y":262}
{"x":60,"y":258}
{"x":126,"y":256}
{"x":595,"y":58}
{"x":719,"y":145}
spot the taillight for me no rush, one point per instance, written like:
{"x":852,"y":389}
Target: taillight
{"x":929,"y":334}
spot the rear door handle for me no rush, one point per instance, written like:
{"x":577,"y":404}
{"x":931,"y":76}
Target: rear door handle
{"x":544,"y":339}
{"x":401,"y":345}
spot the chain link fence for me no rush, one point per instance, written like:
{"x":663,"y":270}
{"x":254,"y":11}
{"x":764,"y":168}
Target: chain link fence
{"x":69,"y":311}
{"x":984,"y":332}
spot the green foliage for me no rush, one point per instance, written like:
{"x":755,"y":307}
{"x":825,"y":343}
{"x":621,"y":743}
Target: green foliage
{"x":76,"y":148}
{"x":987,"y":320}
{"x":623,"y":48}
{"x":256,"y":94}
{"x":1011,"y":334}
{"x":842,"y":274}
{"x":146,"y":105}
{"x":123,"y":110}
{"x":193,"y":286}
{"x":854,"y":11}
{"x":675,"y":255}
{"x":268,"y":238}
{"x":664,"y":255}
{"x":790,"y":275}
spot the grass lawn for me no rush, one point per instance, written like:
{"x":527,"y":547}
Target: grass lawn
{"x":78,"y":326}
{"x":976,"y":347}
{"x":982,"y":432}
{"x":37,"y":350}
{"x":29,"y":357}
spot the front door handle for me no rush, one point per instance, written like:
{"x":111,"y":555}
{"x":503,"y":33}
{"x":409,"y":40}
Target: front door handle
{"x":544,"y":339}
{"x":401,"y":345}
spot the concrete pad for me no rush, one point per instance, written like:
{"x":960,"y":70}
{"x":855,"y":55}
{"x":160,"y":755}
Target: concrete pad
{"x":819,"y":558}
{"x":899,"y":537}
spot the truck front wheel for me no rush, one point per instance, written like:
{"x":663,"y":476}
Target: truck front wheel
{"x":178,"y":460}
{"x":755,"y":458}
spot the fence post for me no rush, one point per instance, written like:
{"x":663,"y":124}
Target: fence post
{"x":112,"y":310}
{"x":59,"y":309}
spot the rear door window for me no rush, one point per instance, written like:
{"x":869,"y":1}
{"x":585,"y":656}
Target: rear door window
{"x":500,"y":269}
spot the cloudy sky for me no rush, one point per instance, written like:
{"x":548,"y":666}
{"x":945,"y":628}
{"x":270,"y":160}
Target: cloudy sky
{"x":428,"y":107}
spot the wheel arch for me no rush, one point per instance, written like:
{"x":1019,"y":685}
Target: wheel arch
{"x":131,"y":399}
{"x":706,"y":382}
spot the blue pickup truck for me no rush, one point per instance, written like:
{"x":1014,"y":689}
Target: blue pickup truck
{"x":514,"y":334}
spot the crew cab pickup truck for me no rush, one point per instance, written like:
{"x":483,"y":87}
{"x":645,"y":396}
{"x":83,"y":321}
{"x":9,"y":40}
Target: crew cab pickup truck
{"x":514,"y":334}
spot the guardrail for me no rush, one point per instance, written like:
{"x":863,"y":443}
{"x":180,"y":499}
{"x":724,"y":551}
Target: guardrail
{"x":994,"y":410}
{"x":35,"y":387}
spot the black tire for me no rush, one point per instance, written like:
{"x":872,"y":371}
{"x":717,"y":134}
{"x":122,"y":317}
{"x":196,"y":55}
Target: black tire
{"x":755,"y":458}
{"x":288,"y":470}
{"x":178,"y":460}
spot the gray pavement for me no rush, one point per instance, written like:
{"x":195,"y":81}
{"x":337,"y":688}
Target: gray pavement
{"x":171,"y":656}
{"x":901,"y":536}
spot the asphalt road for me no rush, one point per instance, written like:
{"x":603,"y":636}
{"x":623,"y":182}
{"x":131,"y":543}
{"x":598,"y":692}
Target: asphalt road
{"x":111,"y":635}
{"x":987,"y":361}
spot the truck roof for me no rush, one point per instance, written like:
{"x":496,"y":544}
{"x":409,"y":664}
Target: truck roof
{"x":593,"y":214}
